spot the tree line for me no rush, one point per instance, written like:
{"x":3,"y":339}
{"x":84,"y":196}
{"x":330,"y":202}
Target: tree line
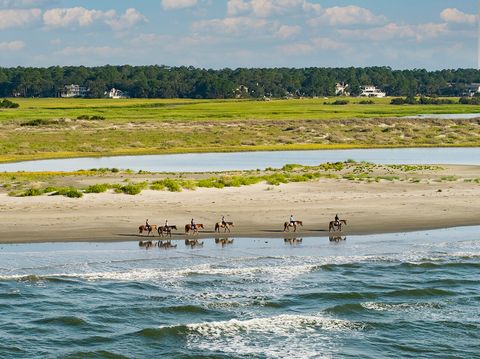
{"x":190,"y":82}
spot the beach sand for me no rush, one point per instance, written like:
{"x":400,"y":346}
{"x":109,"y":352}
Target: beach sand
{"x":257,"y":211}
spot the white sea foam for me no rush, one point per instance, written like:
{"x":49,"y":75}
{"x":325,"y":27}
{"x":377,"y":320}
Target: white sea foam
{"x":401,"y":307}
{"x":280,"y":336}
{"x":279,"y":325}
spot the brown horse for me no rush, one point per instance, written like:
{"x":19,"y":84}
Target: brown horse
{"x":223,"y":241}
{"x":150,"y":229}
{"x":167,"y":230}
{"x":193,"y":243}
{"x":145,"y":244}
{"x":287,"y":225}
{"x":188,"y":228}
{"x":333,"y":224}
{"x":226,"y":226}
{"x":166,"y":244}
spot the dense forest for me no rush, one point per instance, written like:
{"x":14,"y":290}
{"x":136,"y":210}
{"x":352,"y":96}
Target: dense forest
{"x":190,"y":82}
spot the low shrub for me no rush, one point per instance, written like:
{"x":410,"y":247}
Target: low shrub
{"x":8,"y":104}
{"x":97,"y":188}
{"x":132,"y":188}
{"x":31,"y":192}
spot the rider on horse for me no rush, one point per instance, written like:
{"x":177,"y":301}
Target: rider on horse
{"x":224,"y":223}
{"x":192,"y":224}
{"x":147,"y":226}
{"x":166,"y":224}
{"x":292,"y":220}
{"x":337,"y":220}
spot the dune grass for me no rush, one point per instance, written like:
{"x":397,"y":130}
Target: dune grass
{"x":64,"y":128}
{"x":74,"y":185}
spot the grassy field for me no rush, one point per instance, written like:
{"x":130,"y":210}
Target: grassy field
{"x":55,"y":128}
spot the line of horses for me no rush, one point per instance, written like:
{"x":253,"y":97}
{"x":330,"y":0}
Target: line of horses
{"x":166,"y":231}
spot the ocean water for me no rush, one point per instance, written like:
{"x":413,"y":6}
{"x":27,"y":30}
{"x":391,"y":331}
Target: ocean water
{"x":404,"y":295}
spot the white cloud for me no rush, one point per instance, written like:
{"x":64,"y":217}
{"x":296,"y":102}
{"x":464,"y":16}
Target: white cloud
{"x":347,"y":15}
{"x":390,"y":31}
{"x":263,"y":8}
{"x":79,"y":16}
{"x":17,"y":17}
{"x":302,"y":48}
{"x":178,"y":4}
{"x":315,"y":44}
{"x":130,"y":18}
{"x":232,"y":25}
{"x":68,"y":17}
{"x":287,"y":31}
{"x":453,"y":15}
{"x":235,"y":7}
{"x":12,"y":45}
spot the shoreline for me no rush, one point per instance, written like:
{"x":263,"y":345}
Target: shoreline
{"x":207,"y":235}
{"x":257,"y":210}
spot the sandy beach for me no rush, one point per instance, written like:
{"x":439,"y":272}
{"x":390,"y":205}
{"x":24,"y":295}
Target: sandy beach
{"x":257,"y":211}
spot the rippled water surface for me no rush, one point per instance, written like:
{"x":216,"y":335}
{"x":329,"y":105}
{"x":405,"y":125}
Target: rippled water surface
{"x":396,"y":296}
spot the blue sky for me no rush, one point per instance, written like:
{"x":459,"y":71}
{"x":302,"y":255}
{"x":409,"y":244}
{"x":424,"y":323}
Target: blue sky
{"x":432,"y":34}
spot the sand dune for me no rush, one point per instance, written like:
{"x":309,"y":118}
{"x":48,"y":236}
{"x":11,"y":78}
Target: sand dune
{"x":258,"y":210}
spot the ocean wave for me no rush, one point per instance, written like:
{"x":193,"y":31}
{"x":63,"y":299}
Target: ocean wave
{"x":400,"y":307}
{"x":70,"y":321}
{"x":280,"y":325}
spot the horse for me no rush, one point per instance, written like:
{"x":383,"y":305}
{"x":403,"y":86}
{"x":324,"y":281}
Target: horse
{"x":287,"y":225}
{"x":293,"y":240}
{"x":146,"y":244}
{"x":188,"y":228}
{"x":337,"y":238}
{"x":193,"y":243}
{"x":226,"y":226}
{"x":223,"y":241}
{"x":167,"y":230}
{"x":149,"y":229}
{"x":167,"y":244}
{"x":334,"y":224}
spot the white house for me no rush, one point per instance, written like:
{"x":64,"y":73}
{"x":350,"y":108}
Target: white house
{"x":116,"y":94}
{"x":371,"y":91}
{"x":74,"y":91}
{"x":473,"y":89}
{"x":341,"y":89}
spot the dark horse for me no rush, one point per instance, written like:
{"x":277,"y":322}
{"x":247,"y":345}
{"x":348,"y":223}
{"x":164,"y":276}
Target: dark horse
{"x":287,"y":225}
{"x":167,"y":230}
{"x":226,"y":226}
{"x":333,"y":224}
{"x":188,"y":228}
{"x":149,"y":229}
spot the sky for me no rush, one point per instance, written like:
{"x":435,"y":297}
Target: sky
{"x":402,"y":34}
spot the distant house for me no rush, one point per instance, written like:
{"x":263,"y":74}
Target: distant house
{"x":341,"y":89}
{"x":241,"y":91}
{"x":74,"y":91}
{"x":371,"y":91}
{"x":116,"y":93}
{"x":473,"y":89}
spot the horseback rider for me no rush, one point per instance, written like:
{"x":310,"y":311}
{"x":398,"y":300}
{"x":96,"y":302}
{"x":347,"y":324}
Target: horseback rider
{"x":224,"y":223}
{"x":337,"y":220}
{"x":192,"y":224}
{"x":292,"y":220}
{"x":166,"y":224}
{"x":147,"y":226}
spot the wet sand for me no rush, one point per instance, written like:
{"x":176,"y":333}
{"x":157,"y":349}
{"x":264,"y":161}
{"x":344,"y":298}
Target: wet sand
{"x":257,"y":211}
